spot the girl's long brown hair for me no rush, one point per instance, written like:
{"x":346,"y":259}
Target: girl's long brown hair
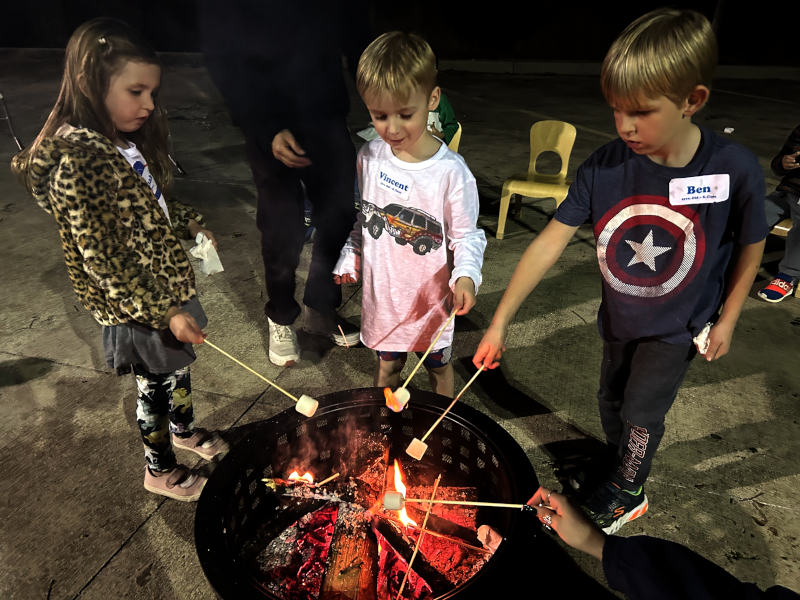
{"x":97,"y":50}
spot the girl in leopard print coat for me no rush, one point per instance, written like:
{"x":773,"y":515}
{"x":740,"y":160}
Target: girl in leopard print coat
{"x":95,"y":166}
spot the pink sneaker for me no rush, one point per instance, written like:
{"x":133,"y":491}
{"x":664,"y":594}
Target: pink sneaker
{"x":181,"y":483}
{"x":202,"y":442}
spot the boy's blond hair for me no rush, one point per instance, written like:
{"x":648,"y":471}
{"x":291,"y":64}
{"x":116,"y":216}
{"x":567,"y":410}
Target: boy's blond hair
{"x":396,"y":63}
{"x":665,"y":52}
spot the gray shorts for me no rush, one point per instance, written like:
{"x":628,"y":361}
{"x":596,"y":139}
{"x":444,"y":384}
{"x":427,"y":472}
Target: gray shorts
{"x":156,"y":350}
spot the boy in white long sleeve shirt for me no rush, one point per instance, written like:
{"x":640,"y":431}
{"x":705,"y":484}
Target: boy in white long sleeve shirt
{"x":422,"y":253}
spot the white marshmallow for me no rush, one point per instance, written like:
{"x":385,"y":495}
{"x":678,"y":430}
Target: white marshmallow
{"x":393,"y":501}
{"x":401,"y":397}
{"x":306,"y":405}
{"x":416,"y":448}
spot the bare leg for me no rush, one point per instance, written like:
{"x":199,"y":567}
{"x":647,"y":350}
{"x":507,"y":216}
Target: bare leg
{"x":387,"y":373}
{"x":442,"y":380}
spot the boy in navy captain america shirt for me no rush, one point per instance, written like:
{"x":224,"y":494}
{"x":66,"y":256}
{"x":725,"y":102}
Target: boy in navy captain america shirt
{"x":679,"y":224}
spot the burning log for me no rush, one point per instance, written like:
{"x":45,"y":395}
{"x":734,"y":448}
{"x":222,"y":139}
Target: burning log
{"x":352,"y":569}
{"x":393,"y":535}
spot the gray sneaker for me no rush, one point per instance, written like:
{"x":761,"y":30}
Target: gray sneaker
{"x":338,"y":329}
{"x":283,"y":348}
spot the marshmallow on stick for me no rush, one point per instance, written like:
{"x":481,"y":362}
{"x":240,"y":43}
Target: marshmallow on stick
{"x":305,"y":405}
{"x":398,"y":399}
{"x":418,"y":447}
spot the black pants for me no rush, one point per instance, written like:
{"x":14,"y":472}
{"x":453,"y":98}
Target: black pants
{"x":328,"y":184}
{"x":638,"y":384}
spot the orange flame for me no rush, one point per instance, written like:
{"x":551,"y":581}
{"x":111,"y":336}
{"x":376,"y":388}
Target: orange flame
{"x":307,"y":477}
{"x":391,"y":401}
{"x":401,"y":487}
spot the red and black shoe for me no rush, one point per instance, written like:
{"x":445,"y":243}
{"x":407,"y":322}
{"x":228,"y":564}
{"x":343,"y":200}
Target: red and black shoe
{"x":779,"y":288}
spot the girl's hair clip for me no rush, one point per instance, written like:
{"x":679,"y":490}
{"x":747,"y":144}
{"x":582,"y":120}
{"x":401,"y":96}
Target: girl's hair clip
{"x":101,"y":40}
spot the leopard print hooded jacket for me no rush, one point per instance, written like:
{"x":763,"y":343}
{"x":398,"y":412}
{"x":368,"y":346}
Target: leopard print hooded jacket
{"x":124,"y":259}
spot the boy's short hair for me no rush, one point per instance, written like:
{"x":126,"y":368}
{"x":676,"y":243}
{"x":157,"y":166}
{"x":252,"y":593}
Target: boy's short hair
{"x":396,"y":63}
{"x":665,"y":52}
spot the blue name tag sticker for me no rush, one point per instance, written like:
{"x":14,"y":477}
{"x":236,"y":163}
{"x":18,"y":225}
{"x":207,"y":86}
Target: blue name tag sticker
{"x":703,"y":189}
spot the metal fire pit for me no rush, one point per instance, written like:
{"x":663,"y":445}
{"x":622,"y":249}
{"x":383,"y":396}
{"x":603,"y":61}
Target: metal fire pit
{"x":468,"y":449}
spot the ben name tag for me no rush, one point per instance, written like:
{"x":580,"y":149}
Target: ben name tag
{"x":393,"y":183}
{"x":705,"y":189}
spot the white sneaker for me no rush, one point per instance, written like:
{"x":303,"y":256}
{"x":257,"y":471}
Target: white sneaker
{"x":283,"y":348}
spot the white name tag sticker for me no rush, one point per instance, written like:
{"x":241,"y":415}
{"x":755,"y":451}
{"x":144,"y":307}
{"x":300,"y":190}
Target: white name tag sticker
{"x":397,"y":184}
{"x":704,"y":189}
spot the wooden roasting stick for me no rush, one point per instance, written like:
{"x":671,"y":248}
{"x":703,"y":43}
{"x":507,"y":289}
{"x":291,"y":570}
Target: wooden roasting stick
{"x":398,"y":399}
{"x":421,"y":534}
{"x":452,"y":539}
{"x":395,"y":501}
{"x":326,"y":480}
{"x":418,"y":447}
{"x":305,"y":405}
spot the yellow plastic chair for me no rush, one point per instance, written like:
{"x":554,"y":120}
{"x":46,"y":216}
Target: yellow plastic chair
{"x":782,"y":229}
{"x":546,"y":136}
{"x":453,"y":145}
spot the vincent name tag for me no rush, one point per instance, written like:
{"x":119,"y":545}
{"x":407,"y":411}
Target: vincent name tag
{"x":704,"y":189}
{"x":394,"y":183}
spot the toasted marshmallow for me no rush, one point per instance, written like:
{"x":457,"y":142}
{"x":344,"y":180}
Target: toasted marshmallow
{"x":393,"y":501}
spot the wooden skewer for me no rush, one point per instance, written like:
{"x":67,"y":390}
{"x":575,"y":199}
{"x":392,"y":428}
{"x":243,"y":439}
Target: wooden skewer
{"x":421,"y":533}
{"x":428,"y":351}
{"x":453,"y":403}
{"x":471,"y":503}
{"x":324,"y":481}
{"x":344,"y":337}
{"x":458,"y":542}
{"x":241,"y":364}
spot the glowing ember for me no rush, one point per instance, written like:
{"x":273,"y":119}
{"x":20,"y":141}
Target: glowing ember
{"x":401,"y":487}
{"x":295,"y":476}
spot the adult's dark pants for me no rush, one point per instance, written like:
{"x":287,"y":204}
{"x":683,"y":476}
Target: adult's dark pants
{"x":638,"y":384}
{"x":328,"y":184}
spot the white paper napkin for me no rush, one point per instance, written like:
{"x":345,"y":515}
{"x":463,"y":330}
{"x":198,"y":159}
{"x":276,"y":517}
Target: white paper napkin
{"x":209,"y":259}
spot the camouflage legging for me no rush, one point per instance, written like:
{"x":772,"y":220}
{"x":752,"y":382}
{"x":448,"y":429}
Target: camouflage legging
{"x":163,"y":405}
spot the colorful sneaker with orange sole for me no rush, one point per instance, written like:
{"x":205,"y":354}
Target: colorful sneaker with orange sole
{"x":611,"y":506}
{"x":779,"y":288}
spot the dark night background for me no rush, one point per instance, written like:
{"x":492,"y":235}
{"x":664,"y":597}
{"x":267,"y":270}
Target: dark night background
{"x":749,"y":33}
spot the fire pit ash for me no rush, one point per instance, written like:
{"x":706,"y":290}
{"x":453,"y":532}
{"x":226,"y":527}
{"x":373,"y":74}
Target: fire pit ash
{"x":288,"y":540}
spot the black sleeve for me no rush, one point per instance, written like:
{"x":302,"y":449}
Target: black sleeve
{"x":642,"y":567}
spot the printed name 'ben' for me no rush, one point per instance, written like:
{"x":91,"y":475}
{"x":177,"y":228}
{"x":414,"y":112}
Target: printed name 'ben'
{"x":690,"y":189}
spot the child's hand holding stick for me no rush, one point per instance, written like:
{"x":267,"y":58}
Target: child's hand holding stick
{"x":184,"y":327}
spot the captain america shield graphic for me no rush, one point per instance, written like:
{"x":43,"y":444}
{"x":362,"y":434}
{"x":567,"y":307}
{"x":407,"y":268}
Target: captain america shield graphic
{"x":647,"y":248}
